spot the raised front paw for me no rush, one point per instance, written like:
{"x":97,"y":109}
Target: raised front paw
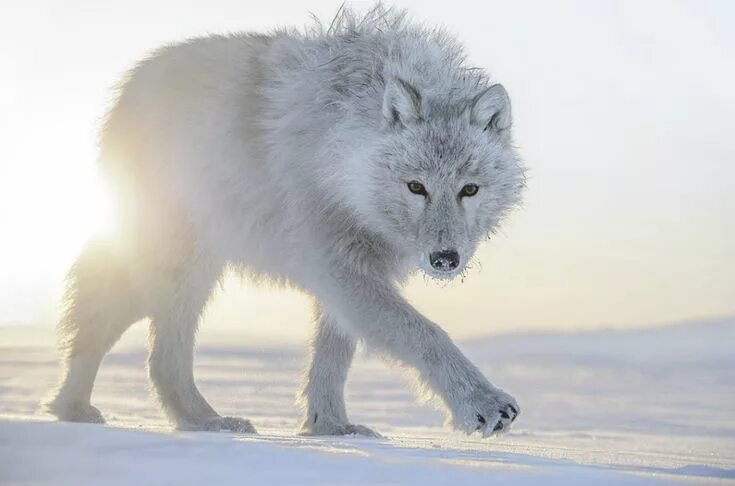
{"x":489,"y":411}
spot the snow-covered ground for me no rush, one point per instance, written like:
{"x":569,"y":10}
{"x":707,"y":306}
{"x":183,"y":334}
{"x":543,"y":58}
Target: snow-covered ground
{"x":613,"y":407}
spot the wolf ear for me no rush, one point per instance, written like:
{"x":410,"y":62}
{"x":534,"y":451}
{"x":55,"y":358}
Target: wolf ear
{"x":491,"y":109}
{"x":401,"y":103}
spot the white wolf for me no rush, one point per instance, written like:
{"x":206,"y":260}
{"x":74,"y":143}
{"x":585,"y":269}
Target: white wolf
{"x":337,"y":160}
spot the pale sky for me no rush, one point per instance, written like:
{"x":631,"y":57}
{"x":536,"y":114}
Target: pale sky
{"x":623,"y":113}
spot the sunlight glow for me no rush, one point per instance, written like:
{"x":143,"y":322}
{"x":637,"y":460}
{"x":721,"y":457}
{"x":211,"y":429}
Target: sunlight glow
{"x":52,"y":221}
{"x":50,"y":206}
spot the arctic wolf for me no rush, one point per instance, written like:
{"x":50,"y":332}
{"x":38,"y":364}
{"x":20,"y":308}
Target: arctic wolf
{"x":337,"y":160}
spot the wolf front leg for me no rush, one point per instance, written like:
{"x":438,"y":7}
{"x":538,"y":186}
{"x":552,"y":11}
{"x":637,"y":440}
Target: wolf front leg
{"x":323,"y":392}
{"x":373,"y":310}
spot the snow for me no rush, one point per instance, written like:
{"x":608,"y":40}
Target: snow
{"x":614,"y":407}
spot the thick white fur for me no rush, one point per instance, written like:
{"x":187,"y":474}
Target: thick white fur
{"x":287,"y":156}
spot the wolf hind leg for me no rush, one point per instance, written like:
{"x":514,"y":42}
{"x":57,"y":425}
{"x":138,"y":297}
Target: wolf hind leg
{"x":171,"y":361}
{"x":100,"y":306}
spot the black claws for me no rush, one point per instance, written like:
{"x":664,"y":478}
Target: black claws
{"x":515,"y":413}
{"x":504,"y":416}
{"x":482,"y":421}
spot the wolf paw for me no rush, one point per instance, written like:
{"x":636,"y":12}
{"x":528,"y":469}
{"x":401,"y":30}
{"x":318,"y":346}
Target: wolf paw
{"x":326,"y":427}
{"x":489,"y":410}
{"x":217,"y":424}
{"x":233,"y":424}
{"x":75,"y":412}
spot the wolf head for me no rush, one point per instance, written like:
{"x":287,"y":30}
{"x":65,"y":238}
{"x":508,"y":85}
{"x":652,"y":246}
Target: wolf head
{"x":442,"y":175}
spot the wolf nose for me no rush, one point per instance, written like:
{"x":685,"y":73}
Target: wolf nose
{"x":444,"y":260}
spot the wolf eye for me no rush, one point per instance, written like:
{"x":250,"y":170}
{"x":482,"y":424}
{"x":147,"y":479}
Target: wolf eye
{"x":469,"y":190}
{"x":417,"y":188}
